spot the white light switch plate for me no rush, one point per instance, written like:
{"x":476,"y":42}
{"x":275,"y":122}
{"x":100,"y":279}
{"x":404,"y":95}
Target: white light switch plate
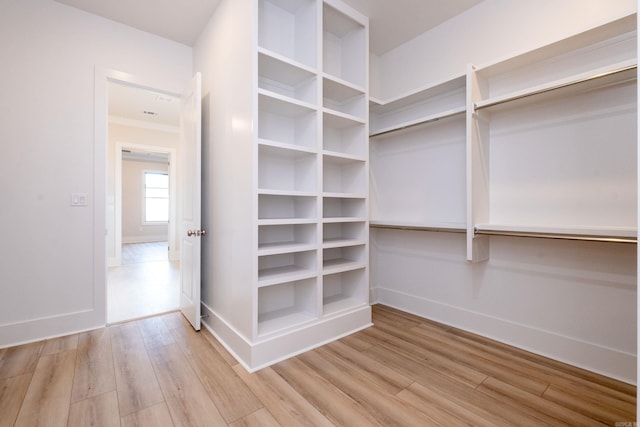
{"x":79,"y":199}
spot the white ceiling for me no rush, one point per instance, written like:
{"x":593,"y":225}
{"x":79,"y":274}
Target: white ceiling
{"x":132,"y":103}
{"x":392,"y":22}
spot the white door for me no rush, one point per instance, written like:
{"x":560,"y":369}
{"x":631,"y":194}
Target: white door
{"x":190,"y":184}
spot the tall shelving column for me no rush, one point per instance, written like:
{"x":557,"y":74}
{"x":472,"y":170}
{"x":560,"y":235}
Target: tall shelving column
{"x":287,"y":187}
{"x":345,"y":236}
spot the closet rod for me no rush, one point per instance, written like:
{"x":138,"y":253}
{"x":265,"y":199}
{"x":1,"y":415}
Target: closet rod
{"x":418,"y":228}
{"x":542,"y":235}
{"x":558,"y":86}
{"x":422,"y":122}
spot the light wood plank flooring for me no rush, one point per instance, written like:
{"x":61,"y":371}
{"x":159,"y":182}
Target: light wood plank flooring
{"x":404,"y":371}
{"x":146,"y":283}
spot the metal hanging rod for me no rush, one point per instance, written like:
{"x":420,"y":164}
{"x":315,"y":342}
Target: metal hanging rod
{"x":558,"y":236}
{"x":422,"y":122}
{"x":558,"y":86}
{"x":419,"y":228}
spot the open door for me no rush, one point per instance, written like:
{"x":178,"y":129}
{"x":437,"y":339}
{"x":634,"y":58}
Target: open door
{"x":190,"y":188}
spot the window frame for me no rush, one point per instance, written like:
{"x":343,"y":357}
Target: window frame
{"x":144,"y":196}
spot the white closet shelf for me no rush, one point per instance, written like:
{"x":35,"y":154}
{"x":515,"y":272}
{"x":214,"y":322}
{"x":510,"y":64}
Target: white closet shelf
{"x":422,"y":94}
{"x":339,"y":155}
{"x":339,"y":89}
{"x":287,"y":221}
{"x":284,"y":319}
{"x":450,"y":227}
{"x":284,"y":248}
{"x":338,"y":195}
{"x":283,"y":105}
{"x":286,"y":146}
{"x":340,"y":242}
{"x":279,"y":67}
{"x":337,"y":119}
{"x":340,"y":265}
{"x":338,"y":303}
{"x":286,"y":151}
{"x":606,"y":76}
{"x":339,"y":219}
{"x":271,"y":192}
{"x":602,"y":234}
{"x":289,"y":273}
{"x":458,"y":111}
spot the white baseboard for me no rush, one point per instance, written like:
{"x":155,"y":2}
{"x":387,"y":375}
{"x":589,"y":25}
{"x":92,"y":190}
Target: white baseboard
{"x":593,"y":357}
{"x":263,"y":353}
{"x":49,"y":327}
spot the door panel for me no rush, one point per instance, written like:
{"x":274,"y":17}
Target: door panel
{"x":190,"y":188}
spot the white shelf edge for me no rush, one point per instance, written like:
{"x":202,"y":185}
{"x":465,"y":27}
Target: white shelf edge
{"x":282,"y":98}
{"x":420,"y":121}
{"x":284,"y":275}
{"x":285,"y":248}
{"x":336,"y":220}
{"x":286,"y":60}
{"x":344,"y":156}
{"x":285,"y":146}
{"x":559,"y":83}
{"x":337,"y":195}
{"x":286,"y":221}
{"x":342,"y":243}
{"x":431,"y":87}
{"x":340,"y":304}
{"x":607,"y":234}
{"x":286,"y":320}
{"x":292,"y":193}
{"x":340,"y":154}
{"x":452,"y":227}
{"x":344,"y":116}
{"x":340,"y":266}
{"x":344,"y":83}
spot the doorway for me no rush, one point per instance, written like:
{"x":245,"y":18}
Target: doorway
{"x":143,"y":275}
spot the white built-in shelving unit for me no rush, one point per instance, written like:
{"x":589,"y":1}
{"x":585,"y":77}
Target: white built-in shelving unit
{"x":542,"y":144}
{"x":311,"y":145}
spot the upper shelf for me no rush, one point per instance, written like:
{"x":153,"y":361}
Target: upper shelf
{"x":606,"y":76}
{"x":431,"y":103}
{"x":602,"y":234}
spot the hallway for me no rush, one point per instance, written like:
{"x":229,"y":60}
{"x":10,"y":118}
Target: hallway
{"x":146,"y":283}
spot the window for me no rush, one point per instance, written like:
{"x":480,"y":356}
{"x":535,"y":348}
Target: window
{"x":156,"y":197}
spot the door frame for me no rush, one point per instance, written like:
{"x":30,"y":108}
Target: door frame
{"x":102,"y":76}
{"x":174,"y":253}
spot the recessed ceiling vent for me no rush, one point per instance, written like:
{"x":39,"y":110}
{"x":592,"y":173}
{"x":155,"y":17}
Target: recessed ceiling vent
{"x":151,"y":113}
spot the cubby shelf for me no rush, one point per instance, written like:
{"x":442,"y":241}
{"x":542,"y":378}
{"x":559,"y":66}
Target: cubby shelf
{"x":282,"y":104}
{"x":343,"y":291}
{"x":278,"y":321}
{"x":289,"y":28}
{"x":286,"y":146}
{"x":275,"y":275}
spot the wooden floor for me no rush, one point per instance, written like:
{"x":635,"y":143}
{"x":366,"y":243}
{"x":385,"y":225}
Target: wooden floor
{"x":404,"y":371}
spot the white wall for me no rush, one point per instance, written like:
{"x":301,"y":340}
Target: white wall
{"x":134,"y":229}
{"x":49,"y":283}
{"x":487,"y":33}
{"x":573,"y":301}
